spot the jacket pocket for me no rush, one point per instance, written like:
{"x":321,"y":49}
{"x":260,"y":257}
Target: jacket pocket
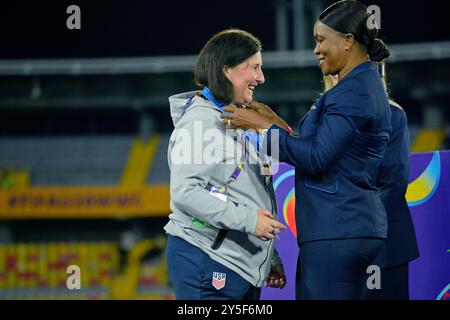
{"x":219,"y":239}
{"x":202,"y":231}
{"x":325,"y":184}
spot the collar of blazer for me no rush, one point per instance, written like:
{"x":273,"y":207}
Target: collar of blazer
{"x":363,"y":67}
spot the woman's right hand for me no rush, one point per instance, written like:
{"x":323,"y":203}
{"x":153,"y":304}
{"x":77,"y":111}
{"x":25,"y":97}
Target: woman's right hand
{"x":263,"y":109}
{"x":267,"y":112}
{"x":267,"y":227}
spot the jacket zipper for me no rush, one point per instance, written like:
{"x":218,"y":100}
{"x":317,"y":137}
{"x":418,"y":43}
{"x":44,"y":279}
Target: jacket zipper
{"x":273,"y":240}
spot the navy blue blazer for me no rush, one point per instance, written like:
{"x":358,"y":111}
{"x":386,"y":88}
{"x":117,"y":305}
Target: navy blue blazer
{"x":401,"y":243}
{"x":337,"y":156}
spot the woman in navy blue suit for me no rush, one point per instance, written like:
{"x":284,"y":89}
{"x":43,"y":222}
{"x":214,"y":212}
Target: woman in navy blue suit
{"x":337,"y":154}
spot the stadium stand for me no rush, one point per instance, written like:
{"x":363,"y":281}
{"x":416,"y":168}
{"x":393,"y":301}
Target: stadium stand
{"x":35,"y":254}
{"x":160,"y":173}
{"x":67,"y":160}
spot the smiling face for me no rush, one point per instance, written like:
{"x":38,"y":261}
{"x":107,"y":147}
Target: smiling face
{"x":330,"y":49}
{"x":245,"y":77}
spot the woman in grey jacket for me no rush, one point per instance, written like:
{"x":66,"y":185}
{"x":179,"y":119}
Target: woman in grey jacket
{"x":221,"y":232}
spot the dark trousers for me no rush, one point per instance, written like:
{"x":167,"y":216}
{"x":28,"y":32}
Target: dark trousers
{"x":335,"y":269}
{"x":191,"y":272}
{"x":394,"y":284}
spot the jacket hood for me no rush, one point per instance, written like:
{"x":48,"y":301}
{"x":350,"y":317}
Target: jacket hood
{"x":178,"y":102}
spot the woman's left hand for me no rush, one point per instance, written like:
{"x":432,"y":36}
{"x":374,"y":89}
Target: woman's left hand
{"x":276,"y":277}
{"x":241,"y":118}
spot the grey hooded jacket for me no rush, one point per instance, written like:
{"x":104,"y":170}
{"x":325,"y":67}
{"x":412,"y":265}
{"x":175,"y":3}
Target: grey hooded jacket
{"x":198,"y":214}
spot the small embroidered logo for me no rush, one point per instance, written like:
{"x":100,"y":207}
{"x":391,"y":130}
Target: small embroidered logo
{"x":218,"y":280}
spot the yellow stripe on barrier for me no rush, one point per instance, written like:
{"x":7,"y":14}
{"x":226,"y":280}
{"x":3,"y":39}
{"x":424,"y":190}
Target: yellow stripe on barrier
{"x":428,"y":140}
{"x":139,"y":162}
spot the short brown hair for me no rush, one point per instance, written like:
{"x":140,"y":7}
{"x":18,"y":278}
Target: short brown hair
{"x":226,"y":48}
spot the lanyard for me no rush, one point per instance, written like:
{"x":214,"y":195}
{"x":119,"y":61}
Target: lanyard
{"x":207,"y":93}
{"x":248,"y":136}
{"x":251,"y":137}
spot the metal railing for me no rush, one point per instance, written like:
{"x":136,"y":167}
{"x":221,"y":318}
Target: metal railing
{"x":185,"y":63}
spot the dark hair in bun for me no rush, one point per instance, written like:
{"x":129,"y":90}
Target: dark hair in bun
{"x":377,"y":50}
{"x":349,"y":16}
